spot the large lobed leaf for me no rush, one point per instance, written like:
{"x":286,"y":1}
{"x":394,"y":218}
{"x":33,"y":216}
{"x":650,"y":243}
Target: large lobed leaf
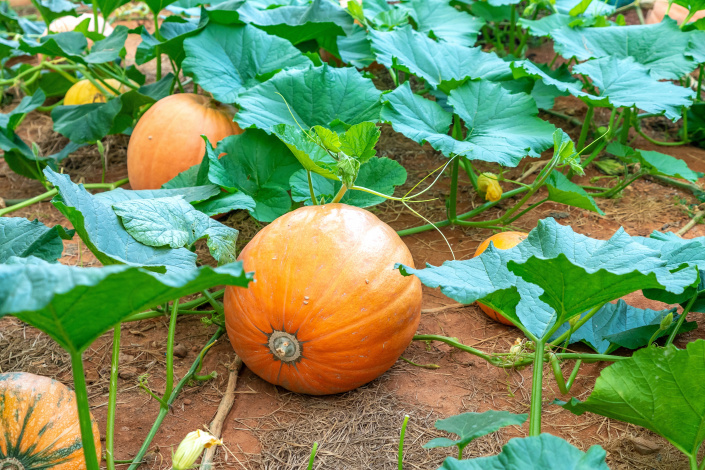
{"x":227,"y":60}
{"x":101,"y":230}
{"x":440,"y":20}
{"x":310,"y":97}
{"x":76,"y":305}
{"x":659,"y":389}
{"x":543,"y":452}
{"x":556,"y":274}
{"x":470,"y":426}
{"x":502,"y":127}
{"x":23,"y":238}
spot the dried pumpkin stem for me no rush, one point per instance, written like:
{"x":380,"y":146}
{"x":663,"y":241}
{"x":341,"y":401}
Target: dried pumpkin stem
{"x":284,"y":346}
{"x":11,"y":464}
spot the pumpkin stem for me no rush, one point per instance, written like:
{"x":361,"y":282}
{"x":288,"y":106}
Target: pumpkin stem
{"x":284,"y":346}
{"x":11,"y":464}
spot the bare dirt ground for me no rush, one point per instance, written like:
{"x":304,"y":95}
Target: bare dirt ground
{"x":271,"y":428}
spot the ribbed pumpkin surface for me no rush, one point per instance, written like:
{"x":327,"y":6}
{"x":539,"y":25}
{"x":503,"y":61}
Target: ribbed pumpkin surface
{"x":39,"y":424}
{"x":501,"y":241}
{"x":325,"y":276}
{"x":167,"y":139}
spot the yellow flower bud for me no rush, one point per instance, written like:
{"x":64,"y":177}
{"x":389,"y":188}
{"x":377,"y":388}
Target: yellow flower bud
{"x":191,"y":449}
{"x":487,"y":183}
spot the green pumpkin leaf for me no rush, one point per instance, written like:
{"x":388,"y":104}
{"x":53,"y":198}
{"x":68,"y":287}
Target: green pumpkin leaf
{"x":258,"y":165}
{"x":543,"y":27}
{"x":561,"y":189}
{"x":663,"y":164}
{"x":309,"y":153}
{"x":155,"y":6}
{"x":227,"y":202}
{"x":440,"y":20}
{"x":359,"y":141}
{"x":24,"y":238}
{"x":535,"y":453}
{"x":660,"y":389}
{"x":658,"y":47}
{"x":317,"y":20}
{"x":585,"y":8}
{"x":174,"y":30}
{"x":340,"y":94}
{"x":173,"y":222}
{"x":70,"y":45}
{"x":101,"y":231}
{"x":555,"y":275}
{"x":108,"y":6}
{"x":53,"y":9}
{"x":501,"y":127}
{"x":58,"y":299}
{"x":621,"y":325}
{"x":227,"y":60}
{"x":382,"y":175}
{"x":470,"y":426}
{"x":193,"y":194}
{"x":355,"y":49}
{"x":441,"y":64}
{"x":109,"y":49}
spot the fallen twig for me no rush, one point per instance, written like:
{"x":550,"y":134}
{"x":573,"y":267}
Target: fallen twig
{"x":696,"y":218}
{"x":226,"y":404}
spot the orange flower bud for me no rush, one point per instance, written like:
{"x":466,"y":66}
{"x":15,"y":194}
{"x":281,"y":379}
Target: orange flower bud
{"x":487,"y":183}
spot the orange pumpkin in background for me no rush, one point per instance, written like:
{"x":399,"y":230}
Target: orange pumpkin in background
{"x":39,"y":425}
{"x":501,"y":241}
{"x":327,"y":312}
{"x":167,"y":139}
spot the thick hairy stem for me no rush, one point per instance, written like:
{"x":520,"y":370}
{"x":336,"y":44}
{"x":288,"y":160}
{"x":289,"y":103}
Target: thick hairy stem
{"x":687,"y":308}
{"x":84,"y":412}
{"x":112,"y":402}
{"x":170,"y":351}
{"x":536,"y":390}
{"x":341,"y":193}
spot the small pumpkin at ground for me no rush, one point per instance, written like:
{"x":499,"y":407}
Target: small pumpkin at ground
{"x":39,"y":425}
{"x":84,"y":92}
{"x":167,"y":139}
{"x":327,"y":312}
{"x":501,"y":241}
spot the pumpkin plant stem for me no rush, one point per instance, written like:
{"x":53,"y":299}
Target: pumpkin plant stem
{"x":536,"y":390}
{"x":310,"y":188}
{"x":84,"y":412}
{"x":158,"y":52}
{"x":400,"y":458}
{"x":586,"y":127}
{"x":340,"y":194}
{"x":169,"y":387}
{"x":577,"y":325}
{"x":217,"y":306}
{"x":137,"y":461}
{"x":112,"y":401}
{"x":54,"y":192}
{"x":453,"y":197}
{"x":679,"y":324}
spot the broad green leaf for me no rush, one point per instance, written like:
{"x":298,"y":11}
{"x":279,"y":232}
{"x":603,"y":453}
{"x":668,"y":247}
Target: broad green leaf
{"x":693,"y":6}
{"x":379,"y":174}
{"x":227,"y":202}
{"x":102,"y":232}
{"x":21,"y":160}
{"x":109,"y":49}
{"x":316,"y":20}
{"x":555,"y":275}
{"x":193,"y":194}
{"x":88,"y":123}
{"x":23,"y":238}
{"x":620,"y":82}
{"x":441,"y":64}
{"x":658,"y":47}
{"x":258,"y":165}
{"x":501,"y":127}
{"x":667,"y":165}
{"x":326,"y":138}
{"x":315,"y":96}
{"x":70,"y":45}
{"x":561,"y":189}
{"x":543,"y":452}
{"x":621,"y":325}
{"x":660,"y":389}
{"x":174,"y":30}
{"x":470,"y":426}
{"x":355,"y":49}
{"x":53,"y":84}
{"x":59,"y":299}
{"x":595,"y":7}
{"x":359,"y":141}
{"x":310,"y":154}
{"x":10,"y":121}
{"x":490,"y":13}
{"x":564,"y":148}
{"x":440,"y":20}
{"x":173,"y":222}
{"x":543,"y":27}
{"x":53,"y":9}
{"x":551,"y":83}
{"x":227,"y":60}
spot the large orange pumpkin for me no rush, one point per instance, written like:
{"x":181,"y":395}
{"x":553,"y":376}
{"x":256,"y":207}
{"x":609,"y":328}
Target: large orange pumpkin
{"x":327,"y":312}
{"x":501,"y":241}
{"x":167,"y":139}
{"x":39,"y":425}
